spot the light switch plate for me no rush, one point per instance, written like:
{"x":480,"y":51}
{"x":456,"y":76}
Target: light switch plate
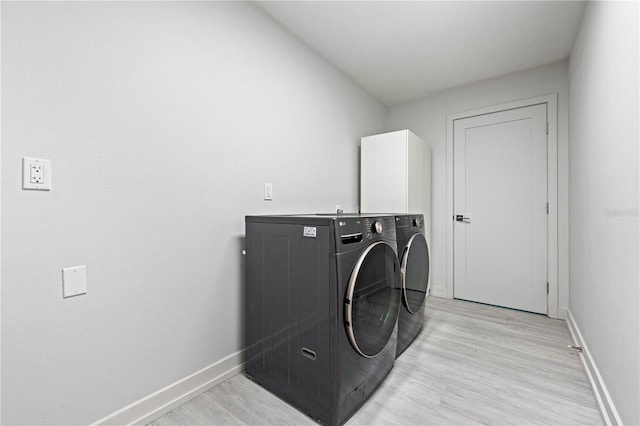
{"x":74,"y":281}
{"x":36,"y":174}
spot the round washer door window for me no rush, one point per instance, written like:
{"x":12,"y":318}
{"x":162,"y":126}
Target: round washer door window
{"x":373,"y":299}
{"x":415,"y":273}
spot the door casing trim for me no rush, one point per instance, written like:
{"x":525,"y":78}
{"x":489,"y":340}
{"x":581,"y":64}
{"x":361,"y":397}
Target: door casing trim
{"x":551,"y":100}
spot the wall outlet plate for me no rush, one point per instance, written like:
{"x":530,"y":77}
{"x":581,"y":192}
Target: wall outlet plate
{"x":74,"y":281}
{"x":36,"y":174}
{"x":268,"y":191}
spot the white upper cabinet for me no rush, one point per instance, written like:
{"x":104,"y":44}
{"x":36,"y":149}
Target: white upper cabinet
{"x":395,"y":174}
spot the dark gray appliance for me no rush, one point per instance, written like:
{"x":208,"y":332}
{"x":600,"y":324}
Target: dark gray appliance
{"x":322,"y":299}
{"x":414,"y":260}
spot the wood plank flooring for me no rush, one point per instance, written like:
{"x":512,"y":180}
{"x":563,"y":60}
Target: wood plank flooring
{"x":471,"y":364}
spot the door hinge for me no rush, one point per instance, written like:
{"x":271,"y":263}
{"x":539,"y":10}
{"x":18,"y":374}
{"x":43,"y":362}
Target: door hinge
{"x":547,"y":207}
{"x":547,"y":127}
{"x":547,"y":288}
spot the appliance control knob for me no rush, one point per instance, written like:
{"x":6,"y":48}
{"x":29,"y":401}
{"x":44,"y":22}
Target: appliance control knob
{"x":417,"y":222}
{"x":376,"y":227}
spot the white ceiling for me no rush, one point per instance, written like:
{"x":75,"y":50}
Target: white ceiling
{"x":403,"y":50}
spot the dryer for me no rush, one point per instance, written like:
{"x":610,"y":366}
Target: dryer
{"x":414,"y":260}
{"x":322,"y":299}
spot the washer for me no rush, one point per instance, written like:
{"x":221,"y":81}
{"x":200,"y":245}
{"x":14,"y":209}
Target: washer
{"x":322,"y":300}
{"x":414,"y":260}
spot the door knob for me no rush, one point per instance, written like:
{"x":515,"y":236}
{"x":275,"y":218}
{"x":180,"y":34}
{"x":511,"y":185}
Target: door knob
{"x":462,"y":218}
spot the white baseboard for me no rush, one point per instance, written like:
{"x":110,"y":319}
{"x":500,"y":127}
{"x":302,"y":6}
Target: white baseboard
{"x":607,"y":409}
{"x":161,"y":402}
{"x":562,"y":312}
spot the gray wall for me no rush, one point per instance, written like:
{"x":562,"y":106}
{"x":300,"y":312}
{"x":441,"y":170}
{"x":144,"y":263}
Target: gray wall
{"x":604,"y":189}
{"x":427,"y":117}
{"x":162,"y":121}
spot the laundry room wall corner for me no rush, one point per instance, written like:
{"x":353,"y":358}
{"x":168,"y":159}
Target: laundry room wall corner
{"x":427,"y":117}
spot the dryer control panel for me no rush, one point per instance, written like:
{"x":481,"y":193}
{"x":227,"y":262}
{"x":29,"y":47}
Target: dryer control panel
{"x":410,"y":221}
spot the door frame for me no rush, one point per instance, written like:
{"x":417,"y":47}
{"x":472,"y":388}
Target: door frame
{"x":551,"y":100}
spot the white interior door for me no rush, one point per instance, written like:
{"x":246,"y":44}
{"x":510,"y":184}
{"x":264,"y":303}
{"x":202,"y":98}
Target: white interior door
{"x":500,"y":207}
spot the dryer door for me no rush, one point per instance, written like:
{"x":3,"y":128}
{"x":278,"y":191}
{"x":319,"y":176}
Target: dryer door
{"x":415,"y":273}
{"x":373,"y":299}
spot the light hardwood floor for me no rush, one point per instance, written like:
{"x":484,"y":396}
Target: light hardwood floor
{"x":471,"y":364}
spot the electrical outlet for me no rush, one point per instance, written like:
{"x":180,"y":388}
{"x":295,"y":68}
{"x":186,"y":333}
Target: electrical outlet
{"x":36,"y":174}
{"x":268,"y":191}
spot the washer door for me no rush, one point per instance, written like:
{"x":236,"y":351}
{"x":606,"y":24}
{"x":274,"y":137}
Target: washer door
{"x":373,"y":299}
{"x":415,"y":273}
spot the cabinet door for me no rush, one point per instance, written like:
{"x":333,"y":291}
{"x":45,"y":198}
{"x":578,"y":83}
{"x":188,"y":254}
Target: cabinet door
{"x":383,"y":173}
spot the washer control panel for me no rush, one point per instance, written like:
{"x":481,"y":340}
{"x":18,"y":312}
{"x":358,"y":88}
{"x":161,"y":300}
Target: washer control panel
{"x":376,"y":228}
{"x":380,"y":227}
{"x":354,"y":230}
